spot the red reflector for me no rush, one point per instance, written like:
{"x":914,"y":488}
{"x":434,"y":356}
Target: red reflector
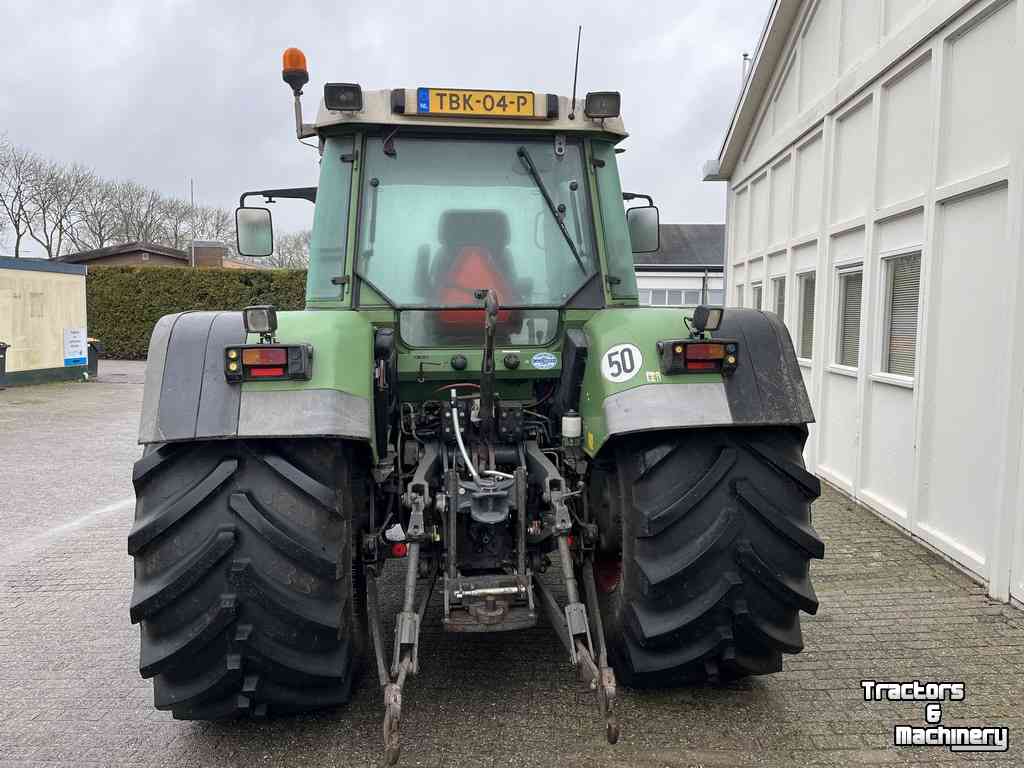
{"x":265,"y":356}
{"x":705,"y":351}
{"x":399,"y":549}
{"x":266,"y":373}
{"x":701,"y":365}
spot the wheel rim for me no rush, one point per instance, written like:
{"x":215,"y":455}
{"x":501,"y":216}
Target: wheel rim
{"x":607,"y":572}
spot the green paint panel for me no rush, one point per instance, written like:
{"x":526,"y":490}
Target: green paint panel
{"x":342,"y":350}
{"x":642,"y":327}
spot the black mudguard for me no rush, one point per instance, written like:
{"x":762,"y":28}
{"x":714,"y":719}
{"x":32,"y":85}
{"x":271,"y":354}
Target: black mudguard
{"x":767,"y":387}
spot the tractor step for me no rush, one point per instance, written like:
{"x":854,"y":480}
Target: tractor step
{"x":490,"y":603}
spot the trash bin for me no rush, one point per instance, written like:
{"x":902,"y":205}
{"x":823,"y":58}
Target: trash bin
{"x":95,"y":350}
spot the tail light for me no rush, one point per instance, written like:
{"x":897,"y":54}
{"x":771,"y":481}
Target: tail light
{"x":267,"y":362}
{"x":695,"y":356}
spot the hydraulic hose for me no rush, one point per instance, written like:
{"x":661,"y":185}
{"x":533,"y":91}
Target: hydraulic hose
{"x":458,"y":439}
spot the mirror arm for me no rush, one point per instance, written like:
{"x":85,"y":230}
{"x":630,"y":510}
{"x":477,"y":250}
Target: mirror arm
{"x":627,"y":196}
{"x":298,"y":193}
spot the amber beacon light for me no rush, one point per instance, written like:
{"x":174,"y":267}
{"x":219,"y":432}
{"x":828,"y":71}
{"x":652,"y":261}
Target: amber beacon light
{"x":293,"y":69}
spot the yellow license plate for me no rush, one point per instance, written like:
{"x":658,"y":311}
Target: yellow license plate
{"x":463,"y":103}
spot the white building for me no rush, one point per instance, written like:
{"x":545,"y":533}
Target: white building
{"x":686,"y":270}
{"x":875,"y":166}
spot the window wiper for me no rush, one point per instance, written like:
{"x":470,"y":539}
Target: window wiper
{"x":524,"y":156}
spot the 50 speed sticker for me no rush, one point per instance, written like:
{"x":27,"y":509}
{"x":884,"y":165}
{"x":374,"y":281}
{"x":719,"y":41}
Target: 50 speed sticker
{"x":621,"y":363}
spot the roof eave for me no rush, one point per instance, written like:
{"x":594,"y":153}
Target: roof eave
{"x":770,"y":48}
{"x":679,"y":267}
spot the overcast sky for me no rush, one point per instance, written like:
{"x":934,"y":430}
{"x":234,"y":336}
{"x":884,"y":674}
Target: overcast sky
{"x":162,"y":91}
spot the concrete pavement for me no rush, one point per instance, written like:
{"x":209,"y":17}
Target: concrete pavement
{"x":70,"y":693}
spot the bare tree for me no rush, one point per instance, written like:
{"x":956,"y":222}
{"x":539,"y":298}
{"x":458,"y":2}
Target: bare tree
{"x":54,"y":198}
{"x":96,"y":217}
{"x":68,"y":207}
{"x":137,"y":211}
{"x":177,"y":216}
{"x":291,"y":251}
{"x":17,"y":169}
{"x":209,"y":223}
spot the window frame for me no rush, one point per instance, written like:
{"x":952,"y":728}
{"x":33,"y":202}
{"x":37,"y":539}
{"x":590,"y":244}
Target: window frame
{"x":776,"y":281}
{"x":360,"y":178}
{"x":754,"y":287}
{"x":885,"y":276}
{"x":842,"y":272}
{"x":798,"y":280}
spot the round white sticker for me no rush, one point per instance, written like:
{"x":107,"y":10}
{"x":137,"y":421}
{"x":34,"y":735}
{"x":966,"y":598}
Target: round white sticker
{"x":621,"y":363}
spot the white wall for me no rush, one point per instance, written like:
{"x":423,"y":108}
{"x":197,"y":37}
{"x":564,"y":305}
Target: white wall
{"x":683,"y":286}
{"x":895,"y":127}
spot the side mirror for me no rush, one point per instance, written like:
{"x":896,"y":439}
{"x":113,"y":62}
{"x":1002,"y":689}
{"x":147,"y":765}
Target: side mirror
{"x":644,"y":232}
{"x":255,"y":232}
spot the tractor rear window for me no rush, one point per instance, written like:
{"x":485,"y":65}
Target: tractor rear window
{"x":442,"y":218}
{"x":465,"y":327}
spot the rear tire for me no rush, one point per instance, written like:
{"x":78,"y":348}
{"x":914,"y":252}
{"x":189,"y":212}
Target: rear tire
{"x":716,"y":541}
{"x":243,"y":575}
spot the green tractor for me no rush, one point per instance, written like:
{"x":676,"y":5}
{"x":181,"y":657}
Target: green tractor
{"x":471,"y":397}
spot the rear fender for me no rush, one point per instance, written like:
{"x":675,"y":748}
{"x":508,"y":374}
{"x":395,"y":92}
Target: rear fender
{"x":766,"y":389}
{"x":187,"y":396}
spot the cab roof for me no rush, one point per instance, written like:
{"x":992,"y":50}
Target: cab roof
{"x":398,"y":107}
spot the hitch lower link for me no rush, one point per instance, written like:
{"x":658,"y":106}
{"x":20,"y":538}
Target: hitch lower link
{"x":405,"y":661}
{"x":579,"y":624}
{"x":576,"y":629}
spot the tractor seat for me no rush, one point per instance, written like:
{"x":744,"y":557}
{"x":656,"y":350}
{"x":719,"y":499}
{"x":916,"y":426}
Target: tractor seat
{"x":480,"y":235}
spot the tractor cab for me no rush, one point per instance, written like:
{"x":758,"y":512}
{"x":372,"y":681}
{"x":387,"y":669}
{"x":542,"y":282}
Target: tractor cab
{"x":429,"y":197}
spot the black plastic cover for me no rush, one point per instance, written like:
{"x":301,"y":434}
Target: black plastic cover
{"x":767,"y":386}
{"x":574,"y":365}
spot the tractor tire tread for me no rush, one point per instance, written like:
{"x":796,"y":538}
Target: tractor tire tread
{"x":243,"y":576}
{"x":717,"y":540}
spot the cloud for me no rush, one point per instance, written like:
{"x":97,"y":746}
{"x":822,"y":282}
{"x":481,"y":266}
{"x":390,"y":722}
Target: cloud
{"x":161,"y":92}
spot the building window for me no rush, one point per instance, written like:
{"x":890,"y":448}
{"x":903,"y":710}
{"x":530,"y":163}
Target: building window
{"x":739,"y":296}
{"x":851,"y":285}
{"x":757,"y":291}
{"x":806,"y":283}
{"x":903,"y":289}
{"x":674,"y":297}
{"x":645,"y":296}
{"x":716,"y":297}
{"x":779,"y":291}
{"x":691,"y":298}
{"x":658,"y":297}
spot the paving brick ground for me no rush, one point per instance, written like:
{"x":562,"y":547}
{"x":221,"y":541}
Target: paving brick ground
{"x":70,"y":693}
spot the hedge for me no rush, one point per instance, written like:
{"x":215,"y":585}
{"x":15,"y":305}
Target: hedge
{"x":124,"y":303}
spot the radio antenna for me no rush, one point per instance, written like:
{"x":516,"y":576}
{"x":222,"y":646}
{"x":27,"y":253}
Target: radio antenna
{"x":575,"y":74}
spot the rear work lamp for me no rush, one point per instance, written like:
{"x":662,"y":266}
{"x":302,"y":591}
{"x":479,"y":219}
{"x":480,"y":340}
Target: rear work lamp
{"x":343,"y":97}
{"x":694,"y":356}
{"x":707,"y":318}
{"x":261,"y":319}
{"x":602,"y":104}
{"x":267,"y":362}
